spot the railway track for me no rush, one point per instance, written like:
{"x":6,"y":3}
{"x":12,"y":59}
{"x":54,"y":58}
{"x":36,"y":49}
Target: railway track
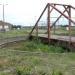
{"x":12,"y":39}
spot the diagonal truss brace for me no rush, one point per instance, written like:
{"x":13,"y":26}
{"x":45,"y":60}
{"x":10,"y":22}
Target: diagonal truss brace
{"x":63,"y":14}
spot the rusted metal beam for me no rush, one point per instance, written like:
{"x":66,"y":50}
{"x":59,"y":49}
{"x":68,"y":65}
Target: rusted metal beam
{"x":59,"y":4}
{"x":52,"y":9}
{"x":48,"y":23}
{"x":69,"y":26}
{"x":39,"y":19}
{"x":58,"y":18}
{"x":37,"y":31}
{"x":72,"y":7}
{"x":66,"y":9}
{"x":63,"y":14}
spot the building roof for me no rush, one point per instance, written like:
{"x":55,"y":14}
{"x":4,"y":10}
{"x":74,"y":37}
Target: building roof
{"x":5,"y":23}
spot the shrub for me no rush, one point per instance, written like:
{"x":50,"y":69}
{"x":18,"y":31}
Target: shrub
{"x":23,"y":70}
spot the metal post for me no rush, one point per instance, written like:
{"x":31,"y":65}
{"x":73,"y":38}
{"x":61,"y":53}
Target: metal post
{"x":3,"y":17}
{"x":37,"y":31}
{"x":69,"y":25}
{"x":54,"y":28}
{"x":48,"y":22}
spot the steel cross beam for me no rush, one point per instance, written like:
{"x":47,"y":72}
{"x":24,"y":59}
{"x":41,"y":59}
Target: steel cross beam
{"x":59,"y":4}
{"x":52,"y":9}
{"x":66,"y":9}
{"x":72,"y":7}
{"x":59,"y":17}
{"x":63,"y":14}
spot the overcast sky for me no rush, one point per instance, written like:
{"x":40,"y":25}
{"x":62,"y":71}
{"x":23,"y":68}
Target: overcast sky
{"x":26,"y":12}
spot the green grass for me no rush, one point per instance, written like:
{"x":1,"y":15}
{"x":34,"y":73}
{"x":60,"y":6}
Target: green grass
{"x":35,"y":46}
{"x":28,"y":63}
{"x":15,"y":32}
{"x":35,"y":58}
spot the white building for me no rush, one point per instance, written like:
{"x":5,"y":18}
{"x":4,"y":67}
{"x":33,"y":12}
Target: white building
{"x":7,"y":26}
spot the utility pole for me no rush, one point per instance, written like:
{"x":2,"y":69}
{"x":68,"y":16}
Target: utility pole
{"x":3,"y":6}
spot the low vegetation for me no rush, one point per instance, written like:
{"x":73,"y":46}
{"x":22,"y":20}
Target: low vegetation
{"x":14,"y":33}
{"x":35,"y":46}
{"x":34,"y":58}
{"x":14,"y":62}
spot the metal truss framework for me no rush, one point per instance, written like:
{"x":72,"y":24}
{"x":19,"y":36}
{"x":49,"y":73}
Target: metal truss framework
{"x":50,"y":7}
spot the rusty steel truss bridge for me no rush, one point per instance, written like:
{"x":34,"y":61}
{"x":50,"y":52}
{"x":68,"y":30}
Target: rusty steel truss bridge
{"x":49,"y":37}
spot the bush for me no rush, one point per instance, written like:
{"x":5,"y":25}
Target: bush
{"x":23,"y":70}
{"x":55,"y":72}
{"x":38,"y":46}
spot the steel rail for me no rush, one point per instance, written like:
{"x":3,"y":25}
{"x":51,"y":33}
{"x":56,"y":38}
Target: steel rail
{"x":12,"y":39}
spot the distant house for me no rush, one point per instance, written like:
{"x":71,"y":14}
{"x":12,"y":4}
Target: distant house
{"x":7,"y":26}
